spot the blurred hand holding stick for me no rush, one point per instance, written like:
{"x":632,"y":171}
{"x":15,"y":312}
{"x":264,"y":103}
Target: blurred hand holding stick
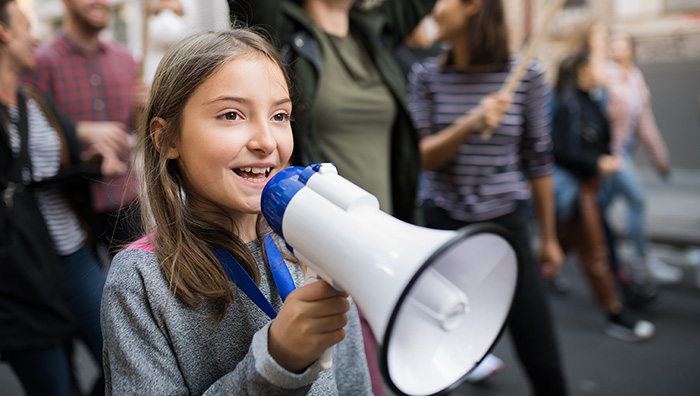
{"x":517,"y":74}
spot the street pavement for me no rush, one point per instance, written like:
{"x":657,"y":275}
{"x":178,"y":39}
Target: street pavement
{"x":595,"y":364}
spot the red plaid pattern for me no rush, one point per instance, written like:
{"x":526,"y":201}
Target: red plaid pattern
{"x":91,"y":87}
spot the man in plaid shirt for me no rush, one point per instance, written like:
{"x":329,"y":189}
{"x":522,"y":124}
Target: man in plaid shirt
{"x":94,"y":83}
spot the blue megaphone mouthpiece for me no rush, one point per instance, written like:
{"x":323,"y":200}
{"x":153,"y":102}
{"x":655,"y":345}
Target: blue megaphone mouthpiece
{"x":280,"y":190}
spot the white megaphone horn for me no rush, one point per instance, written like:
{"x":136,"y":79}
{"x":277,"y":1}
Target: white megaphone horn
{"x":436,"y":300}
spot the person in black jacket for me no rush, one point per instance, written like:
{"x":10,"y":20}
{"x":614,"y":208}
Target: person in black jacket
{"x":50,"y":283}
{"x":581,"y":137}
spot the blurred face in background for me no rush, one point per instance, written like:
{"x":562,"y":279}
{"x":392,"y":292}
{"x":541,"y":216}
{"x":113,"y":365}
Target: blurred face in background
{"x":621,"y":49}
{"x":598,"y":39}
{"x":452,"y":17}
{"x":18,"y":40}
{"x":90,"y":15}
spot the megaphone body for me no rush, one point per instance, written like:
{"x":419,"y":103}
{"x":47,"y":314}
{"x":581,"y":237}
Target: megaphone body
{"x":435,"y":300}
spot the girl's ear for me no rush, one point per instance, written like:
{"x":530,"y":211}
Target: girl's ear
{"x":156,"y":129}
{"x":474,"y":7}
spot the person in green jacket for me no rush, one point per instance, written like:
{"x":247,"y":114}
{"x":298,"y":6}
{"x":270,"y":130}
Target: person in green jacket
{"x":349,"y":95}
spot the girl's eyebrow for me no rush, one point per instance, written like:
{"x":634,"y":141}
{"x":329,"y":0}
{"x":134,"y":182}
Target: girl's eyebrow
{"x":244,"y":100}
{"x":228,"y":99}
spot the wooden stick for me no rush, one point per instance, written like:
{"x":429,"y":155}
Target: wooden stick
{"x":517,"y":74}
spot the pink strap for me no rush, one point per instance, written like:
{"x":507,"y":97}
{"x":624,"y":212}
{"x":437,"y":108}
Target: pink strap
{"x":142,"y":244}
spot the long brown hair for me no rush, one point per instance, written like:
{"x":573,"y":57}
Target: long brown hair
{"x":181,"y":235}
{"x":488,"y":36}
{"x":567,"y":75}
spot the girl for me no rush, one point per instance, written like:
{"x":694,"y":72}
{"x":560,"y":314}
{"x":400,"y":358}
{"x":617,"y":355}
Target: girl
{"x":218,"y":130}
{"x":470,"y":179}
{"x":582,"y":153}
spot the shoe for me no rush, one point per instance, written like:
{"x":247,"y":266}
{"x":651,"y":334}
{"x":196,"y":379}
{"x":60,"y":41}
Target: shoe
{"x":693,"y":261}
{"x":638,"y":295}
{"x":559,"y":285}
{"x":488,"y":367}
{"x":624,"y":326}
{"x":692,"y":257}
{"x":663,"y":273}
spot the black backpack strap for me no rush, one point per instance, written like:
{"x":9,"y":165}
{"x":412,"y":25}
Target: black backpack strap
{"x":20,"y":171}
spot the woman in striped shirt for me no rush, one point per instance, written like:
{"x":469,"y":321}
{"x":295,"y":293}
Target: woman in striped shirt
{"x":472,"y":177}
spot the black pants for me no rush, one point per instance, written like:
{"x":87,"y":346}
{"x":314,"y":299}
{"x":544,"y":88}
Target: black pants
{"x":530,"y":321}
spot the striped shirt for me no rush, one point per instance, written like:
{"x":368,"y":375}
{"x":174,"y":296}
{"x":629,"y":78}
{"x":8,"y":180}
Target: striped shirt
{"x":45,"y":156}
{"x":486,"y":178}
{"x":91,"y":87}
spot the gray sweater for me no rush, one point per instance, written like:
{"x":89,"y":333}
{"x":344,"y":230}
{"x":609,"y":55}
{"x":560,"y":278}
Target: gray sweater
{"x":154,"y":344}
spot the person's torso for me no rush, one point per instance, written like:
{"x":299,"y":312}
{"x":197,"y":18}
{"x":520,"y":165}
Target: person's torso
{"x":486,"y":178}
{"x":45,"y":157}
{"x":355,"y":114}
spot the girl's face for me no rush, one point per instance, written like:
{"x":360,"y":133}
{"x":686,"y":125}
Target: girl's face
{"x":18,"y":39}
{"x":236,"y":134}
{"x":452,"y":16}
{"x":620,"y":49}
{"x":585,"y":77}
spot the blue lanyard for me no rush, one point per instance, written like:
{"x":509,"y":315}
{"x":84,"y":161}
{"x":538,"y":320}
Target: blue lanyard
{"x":237,"y":275}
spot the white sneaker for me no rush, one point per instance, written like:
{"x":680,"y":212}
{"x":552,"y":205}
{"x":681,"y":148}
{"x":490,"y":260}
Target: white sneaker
{"x":488,"y":367}
{"x":624,"y":326}
{"x":693,"y":261}
{"x":662,"y":272}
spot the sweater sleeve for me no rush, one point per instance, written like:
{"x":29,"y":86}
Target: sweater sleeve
{"x":419,"y":100}
{"x":648,"y":129}
{"x":536,"y":146}
{"x":140,"y":358}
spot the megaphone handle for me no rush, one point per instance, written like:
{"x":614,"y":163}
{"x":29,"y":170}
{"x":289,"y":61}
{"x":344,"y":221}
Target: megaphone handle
{"x":326,"y":358}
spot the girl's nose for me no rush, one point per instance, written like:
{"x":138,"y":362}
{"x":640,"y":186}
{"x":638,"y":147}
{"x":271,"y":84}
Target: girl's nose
{"x":263,"y":139}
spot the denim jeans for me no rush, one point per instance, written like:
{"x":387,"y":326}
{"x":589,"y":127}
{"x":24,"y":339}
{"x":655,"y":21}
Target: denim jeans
{"x":86,"y":281}
{"x":42,"y":371}
{"x":626,"y":183}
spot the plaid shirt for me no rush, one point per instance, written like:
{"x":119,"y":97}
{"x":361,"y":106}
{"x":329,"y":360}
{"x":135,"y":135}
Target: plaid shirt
{"x":91,"y":87}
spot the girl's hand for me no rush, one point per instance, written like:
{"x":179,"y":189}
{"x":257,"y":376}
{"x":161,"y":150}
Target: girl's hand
{"x":494,"y":107}
{"x":608,"y":164}
{"x":311,"y":320}
{"x":551,"y":258}
{"x":490,"y":112}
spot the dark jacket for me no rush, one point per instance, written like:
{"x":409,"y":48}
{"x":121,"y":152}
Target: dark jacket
{"x":33,"y":311}
{"x":383,"y":31}
{"x":580,"y":133}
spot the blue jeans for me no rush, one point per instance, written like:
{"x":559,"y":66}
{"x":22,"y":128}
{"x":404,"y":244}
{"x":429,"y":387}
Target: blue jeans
{"x":626,"y":183}
{"x":42,"y":371}
{"x":86,"y":281}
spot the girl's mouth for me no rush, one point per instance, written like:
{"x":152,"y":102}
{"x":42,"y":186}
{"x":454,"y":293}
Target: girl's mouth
{"x":256,"y":175}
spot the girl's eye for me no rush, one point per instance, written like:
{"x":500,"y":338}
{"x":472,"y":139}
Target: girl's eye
{"x":281,"y":117}
{"x":230,"y":116}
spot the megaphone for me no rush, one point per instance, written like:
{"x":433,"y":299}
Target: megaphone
{"x":435,"y":300}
